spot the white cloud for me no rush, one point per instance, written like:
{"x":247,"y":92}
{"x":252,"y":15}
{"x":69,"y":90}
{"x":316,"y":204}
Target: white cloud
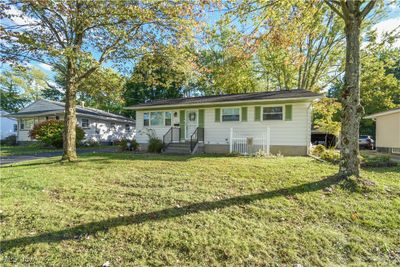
{"x":44,"y":66}
{"x":387,"y":26}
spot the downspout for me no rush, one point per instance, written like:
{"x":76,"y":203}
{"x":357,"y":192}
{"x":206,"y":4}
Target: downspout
{"x":308,"y":129}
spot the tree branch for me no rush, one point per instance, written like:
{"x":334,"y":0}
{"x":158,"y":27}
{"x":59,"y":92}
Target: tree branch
{"x":367,"y":9}
{"x":334,"y":9}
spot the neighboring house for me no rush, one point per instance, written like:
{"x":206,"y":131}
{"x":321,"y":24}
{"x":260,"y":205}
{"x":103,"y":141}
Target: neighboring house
{"x":99,"y":126}
{"x":387,"y":130}
{"x":279,"y":121}
{"x":8,"y":125}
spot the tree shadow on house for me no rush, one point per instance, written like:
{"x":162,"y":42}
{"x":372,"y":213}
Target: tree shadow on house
{"x":169,"y":213}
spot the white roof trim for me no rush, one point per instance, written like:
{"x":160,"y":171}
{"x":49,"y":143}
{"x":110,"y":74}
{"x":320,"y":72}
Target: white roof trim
{"x":294,"y":99}
{"x":373,"y":116}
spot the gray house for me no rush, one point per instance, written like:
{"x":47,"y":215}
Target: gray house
{"x":99,"y":126}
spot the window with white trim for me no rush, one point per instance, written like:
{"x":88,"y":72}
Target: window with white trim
{"x":85,"y":123}
{"x":167,"y":118}
{"x":156,"y":118}
{"x":26,"y":124}
{"x":146,"y":121}
{"x":273,"y":113}
{"x":231,"y":114}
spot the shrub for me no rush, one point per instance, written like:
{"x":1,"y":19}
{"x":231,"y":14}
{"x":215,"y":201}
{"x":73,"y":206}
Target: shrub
{"x":90,"y":143}
{"x":155,"y":145}
{"x":9,"y":140}
{"x":318,"y":150}
{"x":330,"y":155}
{"x":127,"y":144}
{"x":51,"y":132}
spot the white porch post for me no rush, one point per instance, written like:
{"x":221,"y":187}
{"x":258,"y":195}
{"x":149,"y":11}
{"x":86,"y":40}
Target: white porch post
{"x":231,"y":141}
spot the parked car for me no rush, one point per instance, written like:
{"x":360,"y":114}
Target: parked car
{"x":366,"y":141}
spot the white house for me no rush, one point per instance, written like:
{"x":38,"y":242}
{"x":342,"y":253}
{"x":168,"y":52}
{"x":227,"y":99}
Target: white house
{"x":99,"y":126}
{"x":277,"y":121}
{"x":387,"y":130}
{"x":8,"y":125}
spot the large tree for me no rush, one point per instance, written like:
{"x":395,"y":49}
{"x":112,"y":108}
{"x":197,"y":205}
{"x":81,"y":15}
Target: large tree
{"x":167,"y":72}
{"x":353,"y":13}
{"x":77,"y":37}
{"x":226,"y":64}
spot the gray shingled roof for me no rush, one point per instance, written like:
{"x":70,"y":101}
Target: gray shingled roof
{"x":79,"y":110}
{"x":283,"y":94}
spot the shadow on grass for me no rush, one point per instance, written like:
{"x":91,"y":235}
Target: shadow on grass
{"x":104,"y":225}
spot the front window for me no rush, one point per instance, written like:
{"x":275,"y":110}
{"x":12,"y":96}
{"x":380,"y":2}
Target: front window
{"x":168,"y":118}
{"x":15,"y":127}
{"x":272,"y":113}
{"x":230,"y":114}
{"x":112,"y":125}
{"x":146,"y":121}
{"x":156,"y":118}
{"x":85,"y":123}
{"x":127,"y":127}
{"x":26,"y":124}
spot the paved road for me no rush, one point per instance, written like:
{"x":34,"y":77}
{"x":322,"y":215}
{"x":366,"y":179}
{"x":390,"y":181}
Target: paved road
{"x":19,"y":158}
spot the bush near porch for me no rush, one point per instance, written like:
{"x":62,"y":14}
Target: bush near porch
{"x":132,"y":209}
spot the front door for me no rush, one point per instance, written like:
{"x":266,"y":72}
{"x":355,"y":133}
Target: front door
{"x":191,"y":122}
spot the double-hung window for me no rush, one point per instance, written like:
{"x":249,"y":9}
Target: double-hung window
{"x":26,"y":124}
{"x":168,"y":118}
{"x":231,"y":114}
{"x":273,"y":113}
{"x":146,"y":120}
{"x":85,"y":123}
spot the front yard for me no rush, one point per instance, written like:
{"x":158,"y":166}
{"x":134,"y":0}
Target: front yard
{"x":173,"y":210}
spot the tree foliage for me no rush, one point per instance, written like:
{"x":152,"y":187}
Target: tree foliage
{"x":77,"y":37}
{"x":21,"y":85}
{"x":326,"y":115}
{"x":167,"y":72}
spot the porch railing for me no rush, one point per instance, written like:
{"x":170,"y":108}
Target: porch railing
{"x":248,"y":145}
{"x":198,"y":135}
{"x":172,"y":135}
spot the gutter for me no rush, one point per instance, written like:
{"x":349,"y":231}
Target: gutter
{"x":294,"y":100}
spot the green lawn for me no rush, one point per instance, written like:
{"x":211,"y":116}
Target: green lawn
{"x":200,"y":211}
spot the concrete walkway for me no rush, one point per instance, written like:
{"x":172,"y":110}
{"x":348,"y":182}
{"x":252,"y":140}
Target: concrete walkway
{"x":19,"y":158}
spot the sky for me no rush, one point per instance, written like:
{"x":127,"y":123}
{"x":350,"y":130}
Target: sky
{"x":387,"y":23}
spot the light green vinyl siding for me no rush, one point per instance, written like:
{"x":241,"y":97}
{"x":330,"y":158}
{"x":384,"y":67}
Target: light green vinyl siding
{"x":201,"y":118}
{"x":182,"y":123}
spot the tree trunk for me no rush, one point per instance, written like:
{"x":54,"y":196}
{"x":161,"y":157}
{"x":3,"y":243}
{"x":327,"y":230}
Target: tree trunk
{"x":352,"y":109}
{"x":69,"y":136}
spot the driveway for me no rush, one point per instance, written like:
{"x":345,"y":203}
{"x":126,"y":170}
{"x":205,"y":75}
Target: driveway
{"x":18,"y":158}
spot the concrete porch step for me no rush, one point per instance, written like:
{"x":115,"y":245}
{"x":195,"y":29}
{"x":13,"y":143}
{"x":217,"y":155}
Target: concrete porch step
{"x":178,"y":148}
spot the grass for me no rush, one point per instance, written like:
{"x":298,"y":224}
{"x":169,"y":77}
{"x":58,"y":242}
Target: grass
{"x":199,"y":211}
{"x":34,"y":149}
